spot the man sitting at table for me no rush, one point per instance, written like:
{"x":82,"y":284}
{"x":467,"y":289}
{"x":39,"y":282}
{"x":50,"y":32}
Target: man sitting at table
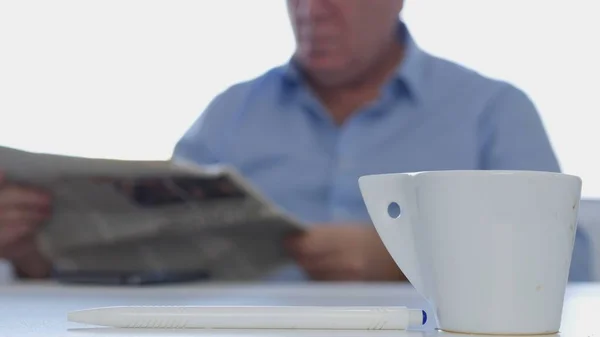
{"x":358,"y":97}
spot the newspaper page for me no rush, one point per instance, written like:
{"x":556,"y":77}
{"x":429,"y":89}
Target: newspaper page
{"x":151,"y":215}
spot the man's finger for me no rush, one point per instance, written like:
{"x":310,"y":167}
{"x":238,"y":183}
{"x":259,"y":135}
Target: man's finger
{"x":28,"y":260}
{"x":307,"y":246}
{"x":12,"y":234}
{"x":319,"y":240}
{"x":323,"y":269}
{"x":17,"y":248}
{"x":331,"y":274}
{"x":14,"y":195}
{"x":22,"y":215}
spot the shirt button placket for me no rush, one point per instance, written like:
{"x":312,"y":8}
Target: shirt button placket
{"x":340,"y":169}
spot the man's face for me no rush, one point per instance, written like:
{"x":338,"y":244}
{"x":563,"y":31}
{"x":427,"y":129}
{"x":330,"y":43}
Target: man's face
{"x":332,"y":35}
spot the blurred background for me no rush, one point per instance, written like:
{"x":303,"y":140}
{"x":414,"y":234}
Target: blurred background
{"x":126,"y":78}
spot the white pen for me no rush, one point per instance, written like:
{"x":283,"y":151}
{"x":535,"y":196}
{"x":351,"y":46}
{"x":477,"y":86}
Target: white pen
{"x":252,"y":317}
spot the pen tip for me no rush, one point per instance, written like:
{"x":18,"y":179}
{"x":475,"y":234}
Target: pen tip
{"x":417,"y":317}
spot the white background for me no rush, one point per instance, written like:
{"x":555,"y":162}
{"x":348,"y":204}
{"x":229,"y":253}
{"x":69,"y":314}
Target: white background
{"x":125,"y":78}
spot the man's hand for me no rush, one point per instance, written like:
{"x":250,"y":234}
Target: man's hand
{"x":344,"y":253}
{"x":22,"y":211}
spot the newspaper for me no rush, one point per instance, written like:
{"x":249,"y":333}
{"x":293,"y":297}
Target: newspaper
{"x":116,"y":215}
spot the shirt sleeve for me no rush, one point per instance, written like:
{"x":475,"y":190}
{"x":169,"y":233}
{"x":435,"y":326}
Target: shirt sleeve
{"x":512,"y":135}
{"x":199,"y":144}
{"x":193,"y":146}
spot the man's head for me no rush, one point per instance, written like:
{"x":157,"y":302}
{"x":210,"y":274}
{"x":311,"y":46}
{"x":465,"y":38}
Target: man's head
{"x":335,"y":39}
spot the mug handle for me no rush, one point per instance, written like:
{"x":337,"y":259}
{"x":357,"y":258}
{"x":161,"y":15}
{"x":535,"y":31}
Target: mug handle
{"x":382,"y":191}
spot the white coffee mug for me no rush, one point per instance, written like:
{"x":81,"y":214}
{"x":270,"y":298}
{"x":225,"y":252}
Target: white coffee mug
{"x":489,"y":250}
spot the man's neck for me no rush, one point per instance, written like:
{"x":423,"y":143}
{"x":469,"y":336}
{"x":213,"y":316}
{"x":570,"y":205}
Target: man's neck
{"x":344,"y":99}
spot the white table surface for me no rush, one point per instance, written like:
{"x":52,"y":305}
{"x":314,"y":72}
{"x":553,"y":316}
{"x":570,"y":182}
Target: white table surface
{"x":35,"y":309}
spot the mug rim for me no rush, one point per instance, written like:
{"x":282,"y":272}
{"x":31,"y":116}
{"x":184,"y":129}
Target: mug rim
{"x":481,"y":172}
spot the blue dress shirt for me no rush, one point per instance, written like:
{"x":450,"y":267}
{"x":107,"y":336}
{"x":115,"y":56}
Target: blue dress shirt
{"x":432,"y":115}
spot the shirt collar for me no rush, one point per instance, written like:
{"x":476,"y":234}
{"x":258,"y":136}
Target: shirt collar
{"x":409,"y":73}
